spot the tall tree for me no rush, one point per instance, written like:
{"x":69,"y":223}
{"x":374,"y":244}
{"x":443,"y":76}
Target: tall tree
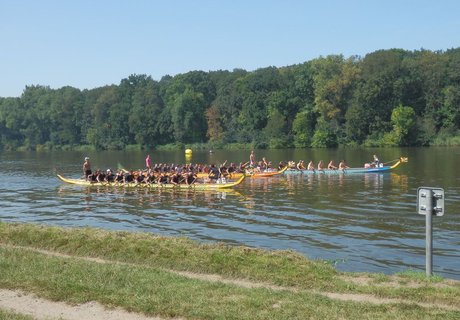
{"x":403,"y":120}
{"x":37,"y":114}
{"x":334,"y":81}
{"x":66,"y":115}
{"x":304,"y":127}
{"x":147,"y":106}
{"x":376,"y":94}
{"x":188,"y":117}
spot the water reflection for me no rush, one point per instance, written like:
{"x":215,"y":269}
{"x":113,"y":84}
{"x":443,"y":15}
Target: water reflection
{"x":337,"y":182}
{"x":143,"y":196}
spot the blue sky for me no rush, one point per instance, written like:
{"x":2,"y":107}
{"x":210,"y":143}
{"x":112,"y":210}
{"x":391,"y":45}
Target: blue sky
{"x":92,"y":43}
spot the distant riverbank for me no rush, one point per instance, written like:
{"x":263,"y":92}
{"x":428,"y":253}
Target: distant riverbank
{"x":177,"y":277}
{"x":441,"y":141}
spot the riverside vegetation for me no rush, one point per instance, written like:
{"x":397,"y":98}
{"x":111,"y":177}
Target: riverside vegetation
{"x":177,"y":277}
{"x":386,"y":98}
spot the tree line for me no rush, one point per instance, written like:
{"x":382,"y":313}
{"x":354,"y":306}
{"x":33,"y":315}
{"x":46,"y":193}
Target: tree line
{"x":386,"y":98}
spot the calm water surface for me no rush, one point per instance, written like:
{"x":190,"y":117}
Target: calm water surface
{"x":365,"y":222}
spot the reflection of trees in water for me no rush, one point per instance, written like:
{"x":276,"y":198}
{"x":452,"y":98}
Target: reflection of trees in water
{"x":259,"y":188}
{"x":400,"y":180}
{"x":290,"y":183}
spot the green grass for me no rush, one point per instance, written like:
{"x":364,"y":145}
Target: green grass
{"x":283,"y":267}
{"x":143,"y":279}
{"x":420,"y":276}
{"x":8,"y":315}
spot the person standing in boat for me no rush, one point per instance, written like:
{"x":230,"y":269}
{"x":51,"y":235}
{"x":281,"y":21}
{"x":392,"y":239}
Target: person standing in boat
{"x":86,"y":168}
{"x":148,"y":162}
{"x":252,"y":159}
{"x":376,"y":161}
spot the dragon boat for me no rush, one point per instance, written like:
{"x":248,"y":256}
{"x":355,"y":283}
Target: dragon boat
{"x":262,"y":174}
{"x":382,"y":168}
{"x":249,"y":173}
{"x":194,"y":186}
{"x":231,"y":176}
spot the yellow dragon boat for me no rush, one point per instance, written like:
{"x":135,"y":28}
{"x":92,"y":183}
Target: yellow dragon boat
{"x":264,"y":174}
{"x":249,"y":173}
{"x":194,"y":186}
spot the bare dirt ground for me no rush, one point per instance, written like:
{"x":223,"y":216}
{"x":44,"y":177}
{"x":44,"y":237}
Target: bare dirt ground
{"x":28,"y":304}
{"x":38,"y":308}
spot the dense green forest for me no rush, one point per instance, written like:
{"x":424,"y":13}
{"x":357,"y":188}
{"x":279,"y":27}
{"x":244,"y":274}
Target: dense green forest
{"x":386,"y":98}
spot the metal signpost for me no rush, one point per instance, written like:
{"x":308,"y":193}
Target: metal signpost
{"x":430,"y":201}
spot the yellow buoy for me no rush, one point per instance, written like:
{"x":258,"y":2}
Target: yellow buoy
{"x":188,"y":151}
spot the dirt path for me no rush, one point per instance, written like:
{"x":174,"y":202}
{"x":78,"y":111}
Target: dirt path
{"x":38,"y":308}
{"x":24,"y":303}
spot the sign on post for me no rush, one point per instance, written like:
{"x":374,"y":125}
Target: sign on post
{"x":430,"y":201}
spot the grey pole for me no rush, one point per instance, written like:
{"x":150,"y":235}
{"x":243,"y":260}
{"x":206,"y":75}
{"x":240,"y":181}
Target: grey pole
{"x":429,"y":233}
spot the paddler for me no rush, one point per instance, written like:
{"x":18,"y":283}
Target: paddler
{"x":320,"y":165}
{"x":300,"y":165}
{"x":343,"y":165}
{"x":331,"y":165}
{"x":214,"y":173}
{"x":190,"y":178}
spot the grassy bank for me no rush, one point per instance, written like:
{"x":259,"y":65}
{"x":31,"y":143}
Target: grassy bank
{"x":7,"y":315}
{"x":176,"y":277}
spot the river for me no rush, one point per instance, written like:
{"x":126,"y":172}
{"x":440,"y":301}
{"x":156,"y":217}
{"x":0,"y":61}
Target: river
{"x":361,"y":222}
